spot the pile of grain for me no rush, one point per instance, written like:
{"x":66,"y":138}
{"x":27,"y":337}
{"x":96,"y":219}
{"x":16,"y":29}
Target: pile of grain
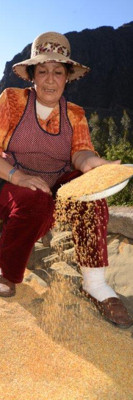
{"x":56,"y":347}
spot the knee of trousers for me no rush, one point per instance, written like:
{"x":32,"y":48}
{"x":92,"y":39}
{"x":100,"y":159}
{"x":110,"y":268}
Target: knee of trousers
{"x":34,"y":203}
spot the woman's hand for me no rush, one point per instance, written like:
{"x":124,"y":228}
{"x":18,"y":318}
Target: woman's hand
{"x":21,"y":179}
{"x":94,"y":162}
{"x":85,"y":160}
{"x":30,"y":181}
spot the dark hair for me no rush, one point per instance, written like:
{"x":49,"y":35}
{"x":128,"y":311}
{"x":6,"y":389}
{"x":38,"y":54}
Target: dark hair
{"x":69,"y":68}
{"x":31,"y":70}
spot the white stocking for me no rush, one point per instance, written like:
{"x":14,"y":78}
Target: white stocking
{"x":94,"y":283}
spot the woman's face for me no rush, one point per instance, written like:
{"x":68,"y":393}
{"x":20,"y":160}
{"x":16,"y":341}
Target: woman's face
{"x":50,"y":79}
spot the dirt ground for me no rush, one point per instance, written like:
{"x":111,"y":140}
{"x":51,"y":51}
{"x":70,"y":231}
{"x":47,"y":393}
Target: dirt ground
{"x":55,"y":346}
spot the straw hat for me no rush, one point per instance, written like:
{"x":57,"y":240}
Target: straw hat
{"x":51,"y":46}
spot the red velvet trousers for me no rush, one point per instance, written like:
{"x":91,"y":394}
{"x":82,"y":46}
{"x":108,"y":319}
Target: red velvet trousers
{"x":28,"y":215}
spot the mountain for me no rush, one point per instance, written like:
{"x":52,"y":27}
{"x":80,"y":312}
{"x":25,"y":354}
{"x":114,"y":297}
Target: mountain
{"x":108,"y":88}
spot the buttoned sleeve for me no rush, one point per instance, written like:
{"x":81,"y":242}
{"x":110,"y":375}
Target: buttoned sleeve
{"x":81,"y":139}
{"x":12,"y":104}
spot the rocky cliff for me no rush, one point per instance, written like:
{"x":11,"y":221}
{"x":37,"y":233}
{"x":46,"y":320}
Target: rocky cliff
{"x":109,"y":53}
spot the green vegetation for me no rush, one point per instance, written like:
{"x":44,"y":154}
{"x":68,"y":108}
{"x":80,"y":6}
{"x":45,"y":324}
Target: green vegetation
{"x":113,"y":143}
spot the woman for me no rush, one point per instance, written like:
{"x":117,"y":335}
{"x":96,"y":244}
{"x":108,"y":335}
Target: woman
{"x":42,"y":139}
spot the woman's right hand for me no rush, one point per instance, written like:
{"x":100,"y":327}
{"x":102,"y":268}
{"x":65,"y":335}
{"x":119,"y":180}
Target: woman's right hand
{"x":30,"y":181}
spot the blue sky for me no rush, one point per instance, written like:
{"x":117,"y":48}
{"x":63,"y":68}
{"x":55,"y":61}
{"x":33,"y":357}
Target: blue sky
{"x":21,"y":21}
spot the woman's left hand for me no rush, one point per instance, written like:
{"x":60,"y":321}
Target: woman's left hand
{"x":94,"y":162}
{"x":86,"y":160}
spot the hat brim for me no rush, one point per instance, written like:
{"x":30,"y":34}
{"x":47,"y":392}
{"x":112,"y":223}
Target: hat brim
{"x":79,"y":70}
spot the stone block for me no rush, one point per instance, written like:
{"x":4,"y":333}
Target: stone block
{"x":48,"y":261}
{"x":121,"y":221}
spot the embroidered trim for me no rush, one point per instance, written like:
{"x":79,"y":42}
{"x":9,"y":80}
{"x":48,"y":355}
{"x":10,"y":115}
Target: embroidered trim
{"x":51,"y":47}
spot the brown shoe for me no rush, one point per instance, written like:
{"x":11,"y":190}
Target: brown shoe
{"x":7,"y":288}
{"x":112,"y":309}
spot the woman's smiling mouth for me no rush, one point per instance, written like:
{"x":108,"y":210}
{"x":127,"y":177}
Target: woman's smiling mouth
{"x":49,"y":90}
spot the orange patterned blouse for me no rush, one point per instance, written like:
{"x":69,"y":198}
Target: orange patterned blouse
{"x":12,"y":105}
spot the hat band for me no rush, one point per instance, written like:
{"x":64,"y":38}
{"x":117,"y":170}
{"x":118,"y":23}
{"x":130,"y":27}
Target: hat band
{"x":50,"y":48}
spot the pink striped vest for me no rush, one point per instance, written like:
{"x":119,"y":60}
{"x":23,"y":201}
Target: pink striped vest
{"x":37,"y":152}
